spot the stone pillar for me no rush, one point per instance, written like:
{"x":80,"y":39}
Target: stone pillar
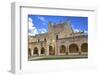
{"x":80,"y":50}
{"x":55,"y":50}
{"x":58,"y":50}
{"x":47,"y":51}
{"x":68,"y":50}
{"x":32,"y":52}
{"x":39,"y":51}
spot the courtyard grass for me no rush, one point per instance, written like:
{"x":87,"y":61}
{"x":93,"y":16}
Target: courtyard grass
{"x":56,"y":57}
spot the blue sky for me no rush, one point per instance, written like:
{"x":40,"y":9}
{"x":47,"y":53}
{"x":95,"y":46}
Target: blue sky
{"x":39,"y":23}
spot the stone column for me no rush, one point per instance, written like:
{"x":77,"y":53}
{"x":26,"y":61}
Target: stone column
{"x":47,"y":51}
{"x":58,"y":50}
{"x":55,"y":49}
{"x":80,"y":50}
{"x":39,"y":51}
{"x":32,"y":52}
{"x":68,"y":50}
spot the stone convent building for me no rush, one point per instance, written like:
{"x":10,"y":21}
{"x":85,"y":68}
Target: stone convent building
{"x":59,"y":40}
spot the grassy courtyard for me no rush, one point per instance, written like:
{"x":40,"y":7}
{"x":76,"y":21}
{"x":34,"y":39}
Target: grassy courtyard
{"x":56,"y":57}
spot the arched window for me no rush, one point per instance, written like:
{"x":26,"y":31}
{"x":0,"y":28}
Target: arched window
{"x":84,"y":47}
{"x":56,"y":37}
{"x":35,"y":50}
{"x":73,"y":48}
{"x":42,"y":50}
{"x":29,"y":51}
{"x":45,"y":39}
{"x":51,"y":50}
{"x":62,"y":49}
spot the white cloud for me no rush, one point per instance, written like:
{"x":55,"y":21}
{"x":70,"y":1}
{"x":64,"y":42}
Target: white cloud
{"x":76,"y":30}
{"x":42,"y":30}
{"x":32,"y":29}
{"x":85,"y":31}
{"x":30,"y":20}
{"x":41,"y":18}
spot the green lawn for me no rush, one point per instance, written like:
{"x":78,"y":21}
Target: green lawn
{"x":56,"y":57}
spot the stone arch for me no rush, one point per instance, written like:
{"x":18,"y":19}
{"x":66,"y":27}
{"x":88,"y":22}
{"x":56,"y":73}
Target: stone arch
{"x":62,"y":49}
{"x":35,"y":51}
{"x":84,"y":47}
{"x":42,"y":50}
{"x":73,"y":48}
{"x":51,"y":50}
{"x":29,"y":51}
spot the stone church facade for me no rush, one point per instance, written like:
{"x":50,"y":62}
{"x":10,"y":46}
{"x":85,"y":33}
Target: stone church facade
{"x":59,"y":40}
